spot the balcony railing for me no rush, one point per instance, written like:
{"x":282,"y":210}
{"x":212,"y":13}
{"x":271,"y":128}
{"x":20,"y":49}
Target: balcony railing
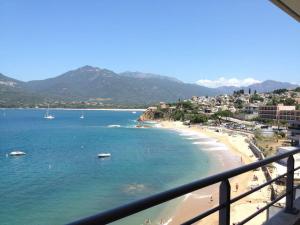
{"x":225,"y":199}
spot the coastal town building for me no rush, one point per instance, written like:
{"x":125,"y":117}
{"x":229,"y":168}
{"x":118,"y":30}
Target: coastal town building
{"x":163,"y":105}
{"x":277,"y":112}
{"x":294,"y":132}
{"x":251,"y":109}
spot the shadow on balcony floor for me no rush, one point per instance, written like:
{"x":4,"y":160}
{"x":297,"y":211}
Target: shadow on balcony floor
{"x":282,"y":218}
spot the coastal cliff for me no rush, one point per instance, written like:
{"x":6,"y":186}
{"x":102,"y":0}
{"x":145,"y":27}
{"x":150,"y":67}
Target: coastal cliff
{"x":152,"y":113}
{"x":180,"y":111}
{"x":147,"y":115}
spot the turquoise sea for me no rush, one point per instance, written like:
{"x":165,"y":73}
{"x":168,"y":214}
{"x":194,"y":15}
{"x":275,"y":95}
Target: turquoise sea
{"x":60,"y":179}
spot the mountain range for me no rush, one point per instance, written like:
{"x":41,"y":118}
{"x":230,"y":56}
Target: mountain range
{"x":128,"y":88}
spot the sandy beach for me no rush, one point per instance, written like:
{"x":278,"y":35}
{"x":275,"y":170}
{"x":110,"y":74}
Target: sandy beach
{"x":237,"y":153}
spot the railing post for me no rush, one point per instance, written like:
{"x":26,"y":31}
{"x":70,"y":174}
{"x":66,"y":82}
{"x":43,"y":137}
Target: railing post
{"x":224,"y":198}
{"x":289,"y":204}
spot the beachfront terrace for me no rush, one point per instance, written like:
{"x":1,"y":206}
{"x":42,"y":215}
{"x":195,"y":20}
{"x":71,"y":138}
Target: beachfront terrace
{"x":225,"y":199}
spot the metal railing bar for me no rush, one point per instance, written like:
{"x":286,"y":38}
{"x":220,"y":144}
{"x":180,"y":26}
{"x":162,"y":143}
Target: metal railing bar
{"x":261,"y":210}
{"x":213,"y":210}
{"x":266,"y":206}
{"x":156,"y":199}
{"x":297,"y":168}
{"x":203,"y":215}
{"x":237,"y":198}
{"x":296,"y":187}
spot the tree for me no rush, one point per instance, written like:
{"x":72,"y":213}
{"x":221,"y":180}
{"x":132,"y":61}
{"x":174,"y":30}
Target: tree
{"x":223,"y":113}
{"x":255,"y":92}
{"x":273,"y":101}
{"x":199,"y":118}
{"x":289,"y":101}
{"x":177,"y":115}
{"x":297,"y":89}
{"x":280,"y":91}
{"x":256,"y":97}
{"x":239,"y":103}
{"x":249,"y":91}
{"x":187,"y":105}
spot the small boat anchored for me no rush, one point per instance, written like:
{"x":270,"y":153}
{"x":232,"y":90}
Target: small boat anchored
{"x":48,"y":116}
{"x":17,"y":153}
{"x":104,"y":155}
{"x":81,"y":116}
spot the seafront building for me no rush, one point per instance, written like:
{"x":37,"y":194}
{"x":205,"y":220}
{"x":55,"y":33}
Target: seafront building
{"x":294,"y":132}
{"x":277,"y":112}
{"x":284,"y":113}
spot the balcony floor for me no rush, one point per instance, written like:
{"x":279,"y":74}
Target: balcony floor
{"x":282,"y":218}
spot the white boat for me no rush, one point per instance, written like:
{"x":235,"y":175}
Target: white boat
{"x":104,"y":155}
{"x":48,"y":115}
{"x":81,"y":116}
{"x":114,"y":125}
{"x":17,"y":153}
{"x":134,"y":112}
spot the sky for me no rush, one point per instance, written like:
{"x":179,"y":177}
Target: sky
{"x":212,"y":42}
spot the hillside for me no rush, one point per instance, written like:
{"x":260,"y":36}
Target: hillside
{"x":265,"y":86}
{"x":105,"y":87}
{"x":90,"y":83}
{"x":13,"y":93}
{"x":94,"y":84}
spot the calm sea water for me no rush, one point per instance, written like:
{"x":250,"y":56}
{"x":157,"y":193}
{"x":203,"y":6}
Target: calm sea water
{"x":61,"y":179}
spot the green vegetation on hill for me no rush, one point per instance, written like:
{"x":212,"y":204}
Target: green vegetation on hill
{"x":183,"y":111}
{"x":280,"y":91}
{"x":256,"y":97}
{"x":297,"y":89}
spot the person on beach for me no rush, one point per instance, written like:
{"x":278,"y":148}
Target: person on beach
{"x":236,"y":187}
{"x":211,"y":198}
{"x":148,"y":221}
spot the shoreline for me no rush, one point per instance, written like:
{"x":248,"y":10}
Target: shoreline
{"x":237,"y":154}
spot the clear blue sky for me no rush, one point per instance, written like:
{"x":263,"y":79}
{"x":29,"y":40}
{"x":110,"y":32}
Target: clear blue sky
{"x":189,"y":40}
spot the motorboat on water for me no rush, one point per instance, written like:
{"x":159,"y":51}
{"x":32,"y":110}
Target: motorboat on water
{"x":104,"y":155}
{"x":17,"y":153}
{"x":134,"y":112}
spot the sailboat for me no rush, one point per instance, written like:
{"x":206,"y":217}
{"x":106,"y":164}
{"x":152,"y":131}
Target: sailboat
{"x":48,"y":115}
{"x":81,"y":116}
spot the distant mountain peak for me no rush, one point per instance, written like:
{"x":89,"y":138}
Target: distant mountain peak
{"x":264,"y":86}
{"x":88,"y":68}
{"x":89,"y":71}
{"x":137,"y":74}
